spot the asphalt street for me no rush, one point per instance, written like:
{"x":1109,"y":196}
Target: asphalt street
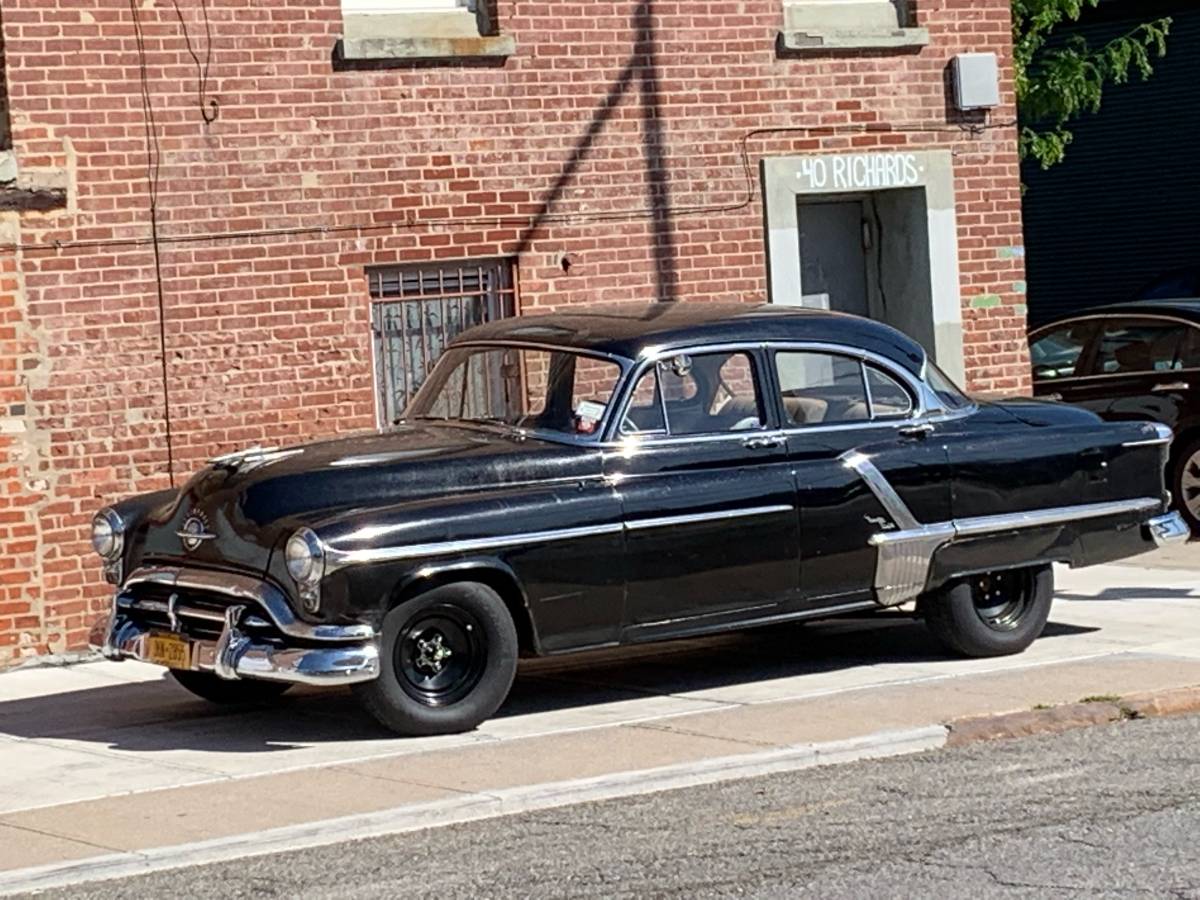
{"x":1109,"y":812}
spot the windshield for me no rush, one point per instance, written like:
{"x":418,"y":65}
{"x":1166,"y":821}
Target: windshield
{"x":947,"y":391}
{"x":544,"y":390}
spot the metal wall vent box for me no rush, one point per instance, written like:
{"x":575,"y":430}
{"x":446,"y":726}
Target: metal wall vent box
{"x":976,"y":81}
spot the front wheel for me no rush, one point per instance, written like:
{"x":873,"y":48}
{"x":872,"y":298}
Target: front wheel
{"x":994,"y":614}
{"x":448,"y":658}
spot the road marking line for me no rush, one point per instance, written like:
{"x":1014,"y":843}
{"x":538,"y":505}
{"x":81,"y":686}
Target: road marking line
{"x":483,"y":805}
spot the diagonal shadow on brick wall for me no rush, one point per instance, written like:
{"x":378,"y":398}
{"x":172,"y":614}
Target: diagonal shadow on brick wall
{"x":641,"y":72}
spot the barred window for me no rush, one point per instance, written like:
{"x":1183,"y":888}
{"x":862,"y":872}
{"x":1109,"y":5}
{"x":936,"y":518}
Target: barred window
{"x":418,"y":310}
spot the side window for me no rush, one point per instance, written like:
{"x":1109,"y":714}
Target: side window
{"x":1139,"y":345}
{"x":725,"y":396}
{"x":1059,"y":352}
{"x":645,"y":412}
{"x":709,"y":393}
{"x":1190,"y":357}
{"x":889,"y":399}
{"x":822,"y":388}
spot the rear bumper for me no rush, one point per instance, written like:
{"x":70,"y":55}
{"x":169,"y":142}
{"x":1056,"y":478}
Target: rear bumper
{"x":1168,"y":530}
{"x":234,"y":655}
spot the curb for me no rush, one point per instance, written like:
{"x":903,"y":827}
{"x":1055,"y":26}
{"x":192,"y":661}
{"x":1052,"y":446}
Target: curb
{"x":473,"y":807}
{"x":1029,"y":723}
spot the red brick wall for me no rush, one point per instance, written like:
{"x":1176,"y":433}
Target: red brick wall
{"x":268,"y":336}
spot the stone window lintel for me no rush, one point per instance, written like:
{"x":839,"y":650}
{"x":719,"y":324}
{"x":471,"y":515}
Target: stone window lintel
{"x":896,"y":38}
{"x":454,"y":34}
{"x":823,"y":25}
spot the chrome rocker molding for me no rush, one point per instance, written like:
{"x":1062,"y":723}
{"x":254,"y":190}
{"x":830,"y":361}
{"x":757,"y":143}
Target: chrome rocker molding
{"x":905,"y":556}
{"x":270,"y":599}
{"x":235,"y":655}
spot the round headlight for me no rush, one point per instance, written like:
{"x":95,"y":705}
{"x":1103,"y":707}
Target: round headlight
{"x":305,"y":557}
{"x":108,"y":534}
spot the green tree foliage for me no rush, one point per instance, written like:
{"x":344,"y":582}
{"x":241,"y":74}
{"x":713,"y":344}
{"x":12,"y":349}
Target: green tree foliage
{"x":1059,"y":81}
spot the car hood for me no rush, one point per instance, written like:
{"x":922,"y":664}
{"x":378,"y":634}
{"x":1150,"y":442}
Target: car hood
{"x":245,"y":505}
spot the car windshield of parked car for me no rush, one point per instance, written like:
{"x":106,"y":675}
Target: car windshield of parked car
{"x":557,"y":391}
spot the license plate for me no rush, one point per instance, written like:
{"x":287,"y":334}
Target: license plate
{"x":169,"y":650}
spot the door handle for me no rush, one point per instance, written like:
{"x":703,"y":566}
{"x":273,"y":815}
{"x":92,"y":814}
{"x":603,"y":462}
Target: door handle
{"x":923,"y":430}
{"x":1171,"y":387}
{"x":766,"y":442}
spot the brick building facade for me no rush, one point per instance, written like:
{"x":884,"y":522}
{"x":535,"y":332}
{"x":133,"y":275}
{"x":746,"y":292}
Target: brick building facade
{"x":567,"y":152}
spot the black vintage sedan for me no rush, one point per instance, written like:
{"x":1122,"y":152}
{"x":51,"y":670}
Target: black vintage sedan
{"x":608,"y":477}
{"x":1132,"y":362}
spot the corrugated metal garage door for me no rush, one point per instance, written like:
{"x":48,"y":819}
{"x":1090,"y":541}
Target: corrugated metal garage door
{"x":1123,"y":208}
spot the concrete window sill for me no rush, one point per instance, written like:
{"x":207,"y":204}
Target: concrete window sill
{"x":422,"y":36}
{"x":824,"y":41}
{"x":30,"y":194}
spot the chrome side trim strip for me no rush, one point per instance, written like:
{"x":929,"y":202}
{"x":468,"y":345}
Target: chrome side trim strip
{"x":254,"y":590}
{"x":882,"y":489}
{"x":697,"y":518}
{"x":904,"y":557}
{"x":1039,"y":518}
{"x":339,"y":559}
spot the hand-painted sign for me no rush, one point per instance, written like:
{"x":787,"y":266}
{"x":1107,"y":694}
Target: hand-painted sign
{"x":860,"y":172}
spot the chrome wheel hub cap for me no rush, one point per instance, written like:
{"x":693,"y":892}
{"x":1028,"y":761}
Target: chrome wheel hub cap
{"x":432,"y":654}
{"x":1190,"y":485}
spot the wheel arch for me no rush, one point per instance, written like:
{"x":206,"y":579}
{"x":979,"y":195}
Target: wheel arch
{"x":491,"y":573}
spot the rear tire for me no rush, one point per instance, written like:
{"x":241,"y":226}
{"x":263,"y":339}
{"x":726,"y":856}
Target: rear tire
{"x":994,"y":614}
{"x":1185,"y":484}
{"x":447,"y":660}
{"x":215,"y":689}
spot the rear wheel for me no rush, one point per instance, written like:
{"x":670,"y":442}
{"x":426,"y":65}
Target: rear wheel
{"x":994,"y":614}
{"x":448,"y":658}
{"x":214,"y":689}
{"x":1186,"y":485}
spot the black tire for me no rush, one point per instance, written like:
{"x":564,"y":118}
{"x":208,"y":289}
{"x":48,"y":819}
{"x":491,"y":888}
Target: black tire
{"x":995,"y":614}
{"x":1185,"y":483}
{"x":447,"y":661}
{"x":247,"y":692}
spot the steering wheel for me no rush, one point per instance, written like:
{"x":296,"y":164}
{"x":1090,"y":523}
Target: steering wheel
{"x":747,"y":424}
{"x":628,"y":426}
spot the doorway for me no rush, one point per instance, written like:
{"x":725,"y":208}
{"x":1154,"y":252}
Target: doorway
{"x":871,"y":234}
{"x":869,"y":255}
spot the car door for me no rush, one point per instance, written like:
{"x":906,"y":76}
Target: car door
{"x":1140,"y":361}
{"x":845,"y":415}
{"x":707,"y":496}
{"x":1061,"y":356}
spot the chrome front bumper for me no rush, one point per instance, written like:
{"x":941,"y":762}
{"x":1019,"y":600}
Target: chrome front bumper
{"x":234,"y":655}
{"x":1169,"y":530}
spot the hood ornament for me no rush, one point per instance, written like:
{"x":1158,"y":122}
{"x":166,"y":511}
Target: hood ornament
{"x":194,"y":532}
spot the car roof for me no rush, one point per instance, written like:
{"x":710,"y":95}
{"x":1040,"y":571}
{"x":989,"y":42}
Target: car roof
{"x":1188,"y":308}
{"x":633,"y":330}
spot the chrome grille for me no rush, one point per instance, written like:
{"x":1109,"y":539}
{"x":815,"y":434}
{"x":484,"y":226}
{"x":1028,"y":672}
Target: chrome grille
{"x":197,"y":614}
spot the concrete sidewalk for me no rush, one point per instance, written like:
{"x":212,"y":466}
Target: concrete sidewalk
{"x":109,"y":758}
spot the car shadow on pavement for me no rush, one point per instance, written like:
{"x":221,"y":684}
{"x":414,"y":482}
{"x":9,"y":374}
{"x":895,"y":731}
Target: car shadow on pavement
{"x":1133,"y":593}
{"x":159,"y":716}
